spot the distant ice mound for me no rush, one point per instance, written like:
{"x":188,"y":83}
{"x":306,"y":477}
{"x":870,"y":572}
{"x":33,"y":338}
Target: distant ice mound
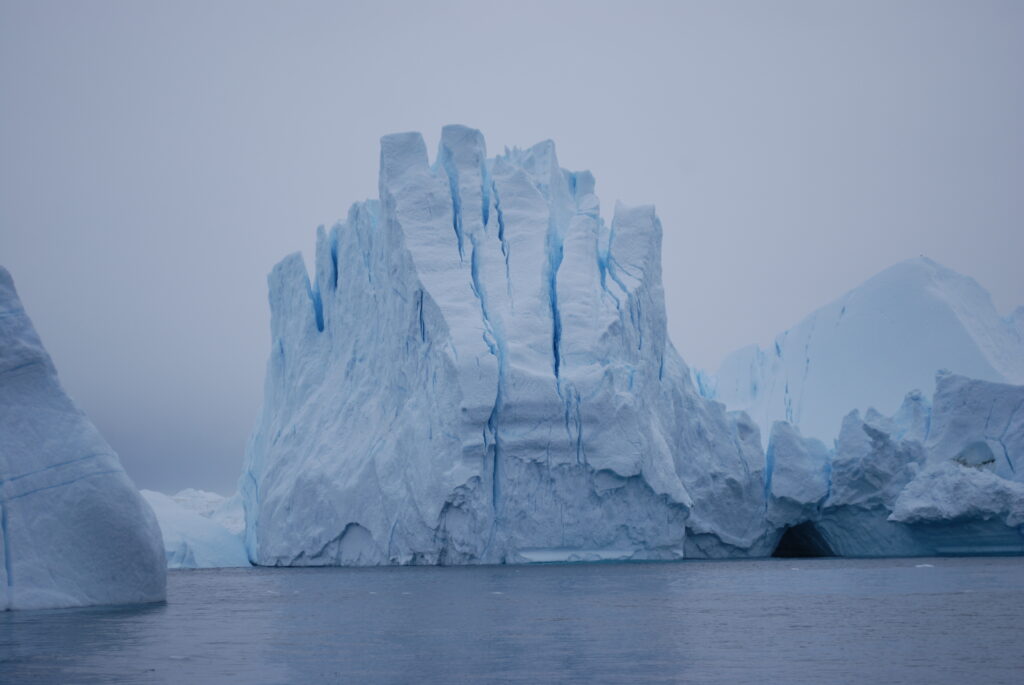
{"x":941,"y":479}
{"x":870,"y":346}
{"x":193,"y":535}
{"x":74,"y":531}
{"x":225,"y":511}
{"x":479,"y":372}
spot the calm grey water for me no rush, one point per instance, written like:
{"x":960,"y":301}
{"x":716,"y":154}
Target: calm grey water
{"x":774,"y":621}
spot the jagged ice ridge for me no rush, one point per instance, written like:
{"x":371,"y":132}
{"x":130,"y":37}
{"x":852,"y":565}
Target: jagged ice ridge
{"x":945,"y":477}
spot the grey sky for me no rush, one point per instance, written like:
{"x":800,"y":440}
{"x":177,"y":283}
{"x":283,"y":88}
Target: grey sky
{"x":157,"y":159}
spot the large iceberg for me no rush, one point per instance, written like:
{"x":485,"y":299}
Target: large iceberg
{"x":944,"y":478}
{"x":479,"y":372}
{"x":74,"y":531}
{"x":199,"y":529}
{"x":870,"y":346}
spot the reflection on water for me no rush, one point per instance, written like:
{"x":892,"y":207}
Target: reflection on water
{"x":795,"y":621}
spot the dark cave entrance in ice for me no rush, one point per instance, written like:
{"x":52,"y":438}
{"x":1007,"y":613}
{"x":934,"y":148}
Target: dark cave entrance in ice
{"x":804,"y":540}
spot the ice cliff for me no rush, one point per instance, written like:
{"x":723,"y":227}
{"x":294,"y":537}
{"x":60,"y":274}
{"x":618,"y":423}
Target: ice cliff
{"x":74,"y":531}
{"x":870,"y":346}
{"x":478,"y":372}
{"x":944,"y":478}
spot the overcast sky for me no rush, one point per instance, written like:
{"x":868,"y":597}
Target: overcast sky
{"x":157,"y":159}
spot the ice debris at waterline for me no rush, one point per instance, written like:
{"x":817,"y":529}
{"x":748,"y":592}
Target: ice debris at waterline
{"x":194,"y":530}
{"x":479,"y":372}
{"x":941,"y":479}
{"x":870,"y":346}
{"x":74,"y":531}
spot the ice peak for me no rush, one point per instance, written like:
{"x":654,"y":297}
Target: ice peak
{"x":888,"y":334}
{"x":635,"y":241}
{"x":465,"y":146}
{"x":73,"y":529}
{"x":401,"y":154}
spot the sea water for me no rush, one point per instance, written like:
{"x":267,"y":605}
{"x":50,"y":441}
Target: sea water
{"x":944,"y":620}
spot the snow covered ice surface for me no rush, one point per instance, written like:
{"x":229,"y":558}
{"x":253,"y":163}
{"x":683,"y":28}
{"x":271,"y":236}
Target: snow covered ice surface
{"x":479,"y":372}
{"x":869,"y":347}
{"x":193,"y":534}
{"x":74,"y":531}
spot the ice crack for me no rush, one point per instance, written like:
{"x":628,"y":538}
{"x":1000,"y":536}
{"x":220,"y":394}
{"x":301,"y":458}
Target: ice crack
{"x":555,"y":252}
{"x":453,"y":186}
{"x":7,"y":548}
{"x":501,"y":237}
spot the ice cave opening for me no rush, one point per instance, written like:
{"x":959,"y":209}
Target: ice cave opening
{"x":803,"y":540}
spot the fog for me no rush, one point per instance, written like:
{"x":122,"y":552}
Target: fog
{"x":156,"y":160}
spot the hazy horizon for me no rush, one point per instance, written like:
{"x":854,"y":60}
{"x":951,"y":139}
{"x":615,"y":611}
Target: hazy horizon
{"x":159,"y":159}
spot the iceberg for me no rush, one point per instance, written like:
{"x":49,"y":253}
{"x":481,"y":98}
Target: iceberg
{"x":74,"y":531}
{"x":479,"y":371}
{"x":870,"y":346}
{"x":931,"y":480}
{"x":193,"y":538}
